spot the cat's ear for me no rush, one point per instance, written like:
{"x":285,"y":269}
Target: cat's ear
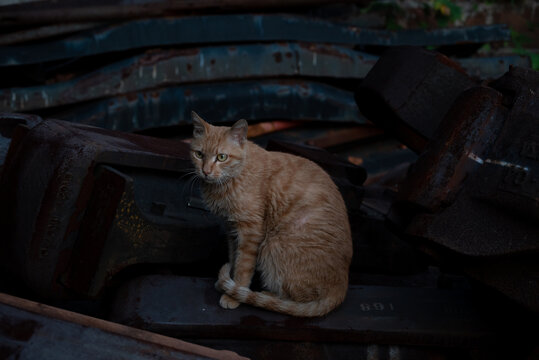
{"x":199,"y":125}
{"x":238,"y":132}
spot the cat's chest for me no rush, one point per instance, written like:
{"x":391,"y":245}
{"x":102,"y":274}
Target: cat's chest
{"x":219,"y":200}
{"x":226,"y":202}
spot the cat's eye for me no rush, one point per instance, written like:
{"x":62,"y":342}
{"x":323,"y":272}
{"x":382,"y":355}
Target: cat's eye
{"x":199,"y":154}
{"x":222,"y":157}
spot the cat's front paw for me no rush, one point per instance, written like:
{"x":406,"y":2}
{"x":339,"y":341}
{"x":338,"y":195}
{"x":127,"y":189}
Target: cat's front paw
{"x":227,"y":302}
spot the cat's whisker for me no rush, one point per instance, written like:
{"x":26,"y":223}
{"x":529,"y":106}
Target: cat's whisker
{"x":193,"y":182}
{"x":190,"y":172}
{"x":190,"y":180}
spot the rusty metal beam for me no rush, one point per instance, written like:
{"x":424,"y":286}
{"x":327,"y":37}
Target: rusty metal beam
{"x":30,"y":330}
{"x":54,"y":239}
{"x":177,"y":306}
{"x":472,"y":195}
{"x":77,"y":11}
{"x":224,"y":102}
{"x":236,"y":28}
{"x":158,"y":68}
{"x":172,"y":67}
{"x":408,"y":92}
{"x":43,"y":32}
{"x":335,"y":137}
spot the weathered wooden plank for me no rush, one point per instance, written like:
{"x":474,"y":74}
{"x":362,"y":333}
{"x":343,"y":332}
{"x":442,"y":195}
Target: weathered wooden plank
{"x":221,"y":102}
{"x":171,"y":67}
{"x":30,"y":330}
{"x":236,"y":28}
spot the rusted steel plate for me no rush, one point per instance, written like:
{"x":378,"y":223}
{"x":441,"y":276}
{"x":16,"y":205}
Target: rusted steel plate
{"x":57,"y":234}
{"x":484,"y":161}
{"x":177,"y":306}
{"x":172,"y":67}
{"x":474,"y":193}
{"x":236,"y":28}
{"x":470,"y":126}
{"x":224,"y":102}
{"x":408,"y":92}
{"x":30,"y":330}
{"x":8,"y":125}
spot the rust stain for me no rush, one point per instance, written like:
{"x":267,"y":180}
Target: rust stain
{"x":355,"y":160}
{"x":131,"y":223}
{"x":448,"y":62}
{"x":278,"y":57}
{"x":131,"y":97}
{"x":326,"y":50}
{"x":155,"y":56}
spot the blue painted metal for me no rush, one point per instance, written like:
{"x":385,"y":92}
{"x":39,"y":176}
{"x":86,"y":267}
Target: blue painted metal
{"x":221,"y":102}
{"x":170,"y":67}
{"x":236,"y":28}
{"x":493,"y":67}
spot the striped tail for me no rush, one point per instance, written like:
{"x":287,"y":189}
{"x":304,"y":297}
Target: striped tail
{"x":274,"y":303}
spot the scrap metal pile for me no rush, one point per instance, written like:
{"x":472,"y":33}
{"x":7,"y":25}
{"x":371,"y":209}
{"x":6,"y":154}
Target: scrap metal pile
{"x":436,"y":157}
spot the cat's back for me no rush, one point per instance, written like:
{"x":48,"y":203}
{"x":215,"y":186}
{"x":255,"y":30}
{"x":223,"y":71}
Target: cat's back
{"x":290,"y":169}
{"x":293,"y":182}
{"x":304,"y":204}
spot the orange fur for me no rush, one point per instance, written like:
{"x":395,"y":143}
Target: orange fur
{"x":288,"y":218}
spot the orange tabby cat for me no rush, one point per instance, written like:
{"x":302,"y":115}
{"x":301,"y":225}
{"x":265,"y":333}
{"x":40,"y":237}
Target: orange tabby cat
{"x":288,"y":218}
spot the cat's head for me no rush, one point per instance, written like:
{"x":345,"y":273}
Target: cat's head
{"x":218,"y":152}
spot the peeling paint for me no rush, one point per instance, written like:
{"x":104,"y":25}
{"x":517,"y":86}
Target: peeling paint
{"x":503,"y":163}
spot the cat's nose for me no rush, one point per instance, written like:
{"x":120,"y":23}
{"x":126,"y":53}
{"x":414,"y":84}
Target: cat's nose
{"x":206,"y":171}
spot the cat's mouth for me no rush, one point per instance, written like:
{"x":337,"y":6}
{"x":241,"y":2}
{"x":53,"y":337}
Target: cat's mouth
{"x":214,"y":180}
{"x":210,"y":179}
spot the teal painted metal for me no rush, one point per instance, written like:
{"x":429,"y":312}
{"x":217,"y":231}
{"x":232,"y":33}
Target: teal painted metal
{"x":223,"y":102}
{"x":490,"y":68}
{"x":172,"y":67}
{"x":159,"y":68}
{"x":234,"y":29}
